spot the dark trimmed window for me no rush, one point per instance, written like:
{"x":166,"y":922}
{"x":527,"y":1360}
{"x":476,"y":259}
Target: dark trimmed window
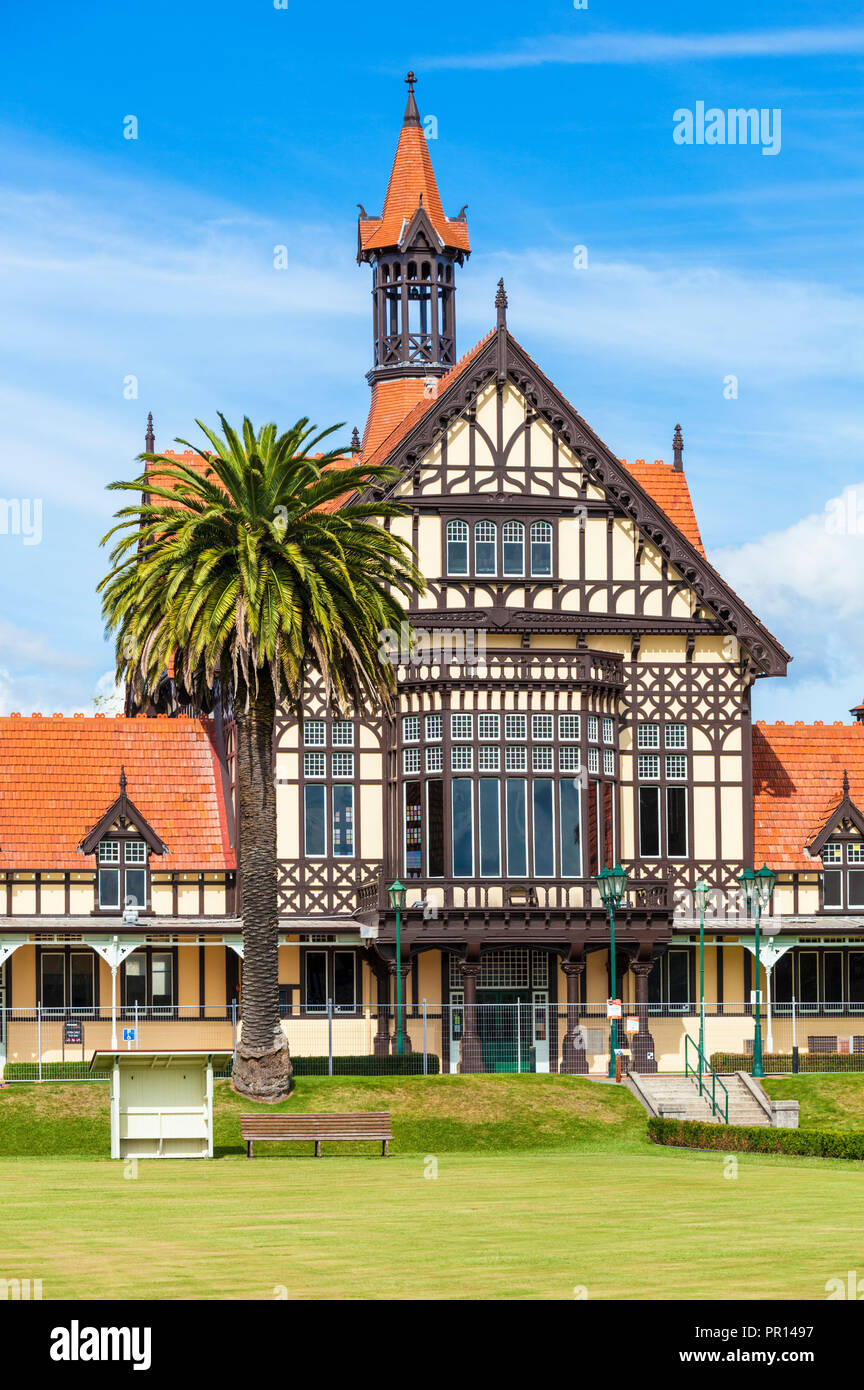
{"x":328,"y":973}
{"x":123,"y":875}
{"x":150,"y":978}
{"x":843,"y":874}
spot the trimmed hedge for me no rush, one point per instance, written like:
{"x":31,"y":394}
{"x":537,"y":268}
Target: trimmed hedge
{"x":409,"y":1064}
{"x":814,"y":1143}
{"x":782,"y":1061}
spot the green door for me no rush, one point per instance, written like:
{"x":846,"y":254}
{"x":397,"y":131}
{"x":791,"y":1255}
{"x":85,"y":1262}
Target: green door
{"x":504,"y":1048}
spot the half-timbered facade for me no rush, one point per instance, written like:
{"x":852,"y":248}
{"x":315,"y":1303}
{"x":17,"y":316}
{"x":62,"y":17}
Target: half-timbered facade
{"x":574,"y":689}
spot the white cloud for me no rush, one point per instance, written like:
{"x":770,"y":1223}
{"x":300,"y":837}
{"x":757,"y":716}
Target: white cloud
{"x":806,"y":583}
{"x":627,"y":48}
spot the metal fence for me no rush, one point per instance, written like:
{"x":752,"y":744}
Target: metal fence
{"x":525,"y":1035}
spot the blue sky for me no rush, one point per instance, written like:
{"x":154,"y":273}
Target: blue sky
{"x":153,"y":258}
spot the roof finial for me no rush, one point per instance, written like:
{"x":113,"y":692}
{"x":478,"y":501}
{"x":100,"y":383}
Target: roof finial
{"x":150,"y":438}
{"x":501,"y":304}
{"x":412,"y":115}
{"x":677,"y":447}
{"x":845,"y":782}
{"x":355,"y":441}
{"x":123,"y":779}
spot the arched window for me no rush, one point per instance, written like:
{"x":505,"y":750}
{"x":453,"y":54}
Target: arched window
{"x":412,"y":270}
{"x":425,"y":271}
{"x":485,"y":537}
{"x":457,"y":547}
{"x":541,"y":547}
{"x":514,"y":547}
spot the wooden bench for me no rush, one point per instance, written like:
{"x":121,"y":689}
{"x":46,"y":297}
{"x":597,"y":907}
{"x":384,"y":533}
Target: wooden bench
{"x":364,"y":1124}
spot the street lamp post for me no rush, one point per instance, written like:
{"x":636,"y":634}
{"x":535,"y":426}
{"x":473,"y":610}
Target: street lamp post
{"x":700,"y":897}
{"x":758,"y":888}
{"x":612,"y":884}
{"x":397,"y":901}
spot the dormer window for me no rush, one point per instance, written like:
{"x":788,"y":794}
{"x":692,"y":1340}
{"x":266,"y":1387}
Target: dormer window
{"x":843,"y":874}
{"x":122,"y":874}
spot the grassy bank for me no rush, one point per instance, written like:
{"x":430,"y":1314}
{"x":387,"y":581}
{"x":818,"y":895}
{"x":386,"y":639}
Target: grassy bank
{"x":445,"y":1114}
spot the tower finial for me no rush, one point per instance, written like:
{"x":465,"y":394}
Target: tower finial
{"x":150,"y":438}
{"x":677,"y":447}
{"x":412,"y":115}
{"x":355,"y":441}
{"x":123,"y":779}
{"x":501,"y":304}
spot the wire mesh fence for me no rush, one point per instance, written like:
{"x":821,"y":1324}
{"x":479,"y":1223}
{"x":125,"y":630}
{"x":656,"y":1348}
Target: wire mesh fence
{"x":424,"y":1039}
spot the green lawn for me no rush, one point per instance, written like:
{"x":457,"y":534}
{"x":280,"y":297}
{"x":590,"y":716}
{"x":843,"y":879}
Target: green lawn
{"x":544,"y":1185}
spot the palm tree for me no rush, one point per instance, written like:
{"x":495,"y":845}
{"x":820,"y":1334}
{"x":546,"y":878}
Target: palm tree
{"x":245,"y":576}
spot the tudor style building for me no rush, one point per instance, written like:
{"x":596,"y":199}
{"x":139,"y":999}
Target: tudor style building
{"x":578,"y":691}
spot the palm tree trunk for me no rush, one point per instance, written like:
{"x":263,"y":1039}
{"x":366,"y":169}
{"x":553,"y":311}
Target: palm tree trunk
{"x":262,"y":1066}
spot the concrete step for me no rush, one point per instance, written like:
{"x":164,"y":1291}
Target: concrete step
{"x":683,"y":1092}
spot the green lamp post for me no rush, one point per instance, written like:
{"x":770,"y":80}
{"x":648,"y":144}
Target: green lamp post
{"x":757,"y":888}
{"x":396,"y":894}
{"x":612,"y":884}
{"x":700,"y":897}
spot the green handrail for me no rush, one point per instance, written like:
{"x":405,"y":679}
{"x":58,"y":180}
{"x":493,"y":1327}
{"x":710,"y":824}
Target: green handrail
{"x":698,"y":1072}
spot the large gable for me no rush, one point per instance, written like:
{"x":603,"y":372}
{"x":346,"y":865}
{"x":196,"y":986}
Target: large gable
{"x":567,"y":455}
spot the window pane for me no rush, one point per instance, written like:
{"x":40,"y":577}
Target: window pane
{"x":517,"y":830}
{"x":109,"y":852}
{"x":484,"y":547}
{"x":136,"y":979}
{"x":413,"y":830}
{"x":544,"y":828}
{"x":435,"y":833}
{"x":457,"y":547}
{"x":463,"y":828}
{"x":649,"y":822}
{"x":832,"y":888}
{"x":856,"y":888}
{"x":833,"y":984}
{"x":679,"y":977}
{"x":81,"y":981}
{"x":808,"y":975}
{"x":514,"y":547}
{"x":571,"y":846}
{"x":490,"y":828}
{"x":316,"y":980}
{"x":676,"y":822}
{"x":162,"y":978}
{"x":608,"y":832}
{"x":541,"y":548}
{"x":343,"y":821}
{"x":136,"y":852}
{"x":136,"y":887}
{"x":783,"y":980}
{"x":109,"y":887}
{"x":53,"y":980}
{"x":344,"y":980}
{"x":316,"y":828}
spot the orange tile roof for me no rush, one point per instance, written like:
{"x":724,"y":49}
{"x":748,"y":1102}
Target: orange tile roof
{"x":391,"y":402}
{"x":797,"y":784}
{"x":59,"y":775}
{"x":668,"y":487}
{"x":412,"y":184}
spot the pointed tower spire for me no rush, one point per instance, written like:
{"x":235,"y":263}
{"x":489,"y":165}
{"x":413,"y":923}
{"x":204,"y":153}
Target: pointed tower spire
{"x":355,"y":441}
{"x":150,"y":438}
{"x":413,"y":248}
{"x":677,"y":450}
